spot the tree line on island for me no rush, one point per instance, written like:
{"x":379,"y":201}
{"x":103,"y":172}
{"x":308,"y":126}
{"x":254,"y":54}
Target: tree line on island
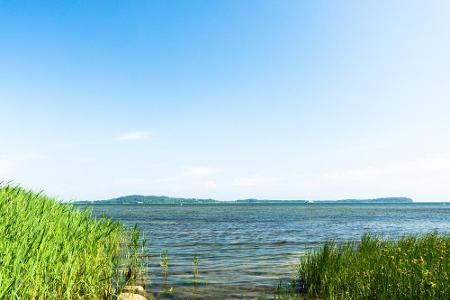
{"x":140,"y":199}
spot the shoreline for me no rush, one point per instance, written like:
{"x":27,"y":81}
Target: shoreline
{"x":125,"y":247}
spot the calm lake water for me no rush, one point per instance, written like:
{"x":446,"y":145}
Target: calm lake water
{"x":244,"y":250}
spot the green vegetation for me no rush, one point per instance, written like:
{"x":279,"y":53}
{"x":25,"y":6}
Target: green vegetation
{"x":50,"y":250}
{"x":139,"y":199}
{"x":195,"y":263}
{"x":387,"y":200}
{"x":158,"y":200}
{"x":135,"y":254}
{"x":164,"y":263}
{"x":409,"y":268}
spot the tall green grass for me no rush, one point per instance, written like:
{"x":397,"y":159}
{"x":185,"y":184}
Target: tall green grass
{"x":413,"y":267}
{"x":50,"y":250}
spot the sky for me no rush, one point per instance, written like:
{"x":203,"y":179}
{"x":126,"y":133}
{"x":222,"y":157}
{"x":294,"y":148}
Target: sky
{"x":226,"y":99}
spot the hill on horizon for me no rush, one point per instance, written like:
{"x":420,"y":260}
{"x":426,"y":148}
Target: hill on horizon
{"x":140,"y":199}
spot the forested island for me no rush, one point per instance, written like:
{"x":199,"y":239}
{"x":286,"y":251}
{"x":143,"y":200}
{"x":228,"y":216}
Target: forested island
{"x":393,"y":200}
{"x":165,"y":200}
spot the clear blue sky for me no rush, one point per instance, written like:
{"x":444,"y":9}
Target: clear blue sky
{"x":226,"y":99}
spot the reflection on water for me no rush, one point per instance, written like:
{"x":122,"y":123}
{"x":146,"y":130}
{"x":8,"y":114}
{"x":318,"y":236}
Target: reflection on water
{"x":244,"y":250}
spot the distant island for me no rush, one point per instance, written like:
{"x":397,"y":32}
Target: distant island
{"x":155,"y":200}
{"x":387,"y":200}
{"x":139,"y":199}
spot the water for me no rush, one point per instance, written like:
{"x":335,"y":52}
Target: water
{"x":244,"y":250}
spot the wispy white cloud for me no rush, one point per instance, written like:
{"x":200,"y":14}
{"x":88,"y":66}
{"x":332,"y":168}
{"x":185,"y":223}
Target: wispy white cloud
{"x":210,"y":184}
{"x":10,"y":164}
{"x":423,"y":178}
{"x":258,"y":180}
{"x":361,"y":174}
{"x":8,"y":167}
{"x":191,"y":179}
{"x":418,"y":168}
{"x":133,"y":136}
{"x":197,"y":171}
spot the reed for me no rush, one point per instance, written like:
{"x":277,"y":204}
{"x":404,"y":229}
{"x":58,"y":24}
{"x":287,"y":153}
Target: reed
{"x":412,"y":267}
{"x":164,"y":262}
{"x":195,"y":263}
{"x":50,"y":250}
{"x":133,"y":259}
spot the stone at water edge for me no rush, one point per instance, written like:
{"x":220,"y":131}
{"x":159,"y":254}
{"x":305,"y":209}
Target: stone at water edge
{"x":131,"y":296}
{"x":134,"y":289}
{"x":133,"y":292}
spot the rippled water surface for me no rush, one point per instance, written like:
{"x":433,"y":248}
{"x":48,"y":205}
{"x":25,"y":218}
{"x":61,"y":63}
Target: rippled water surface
{"x":244,"y":250}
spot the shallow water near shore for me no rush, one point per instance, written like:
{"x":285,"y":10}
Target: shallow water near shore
{"x":244,"y":250}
